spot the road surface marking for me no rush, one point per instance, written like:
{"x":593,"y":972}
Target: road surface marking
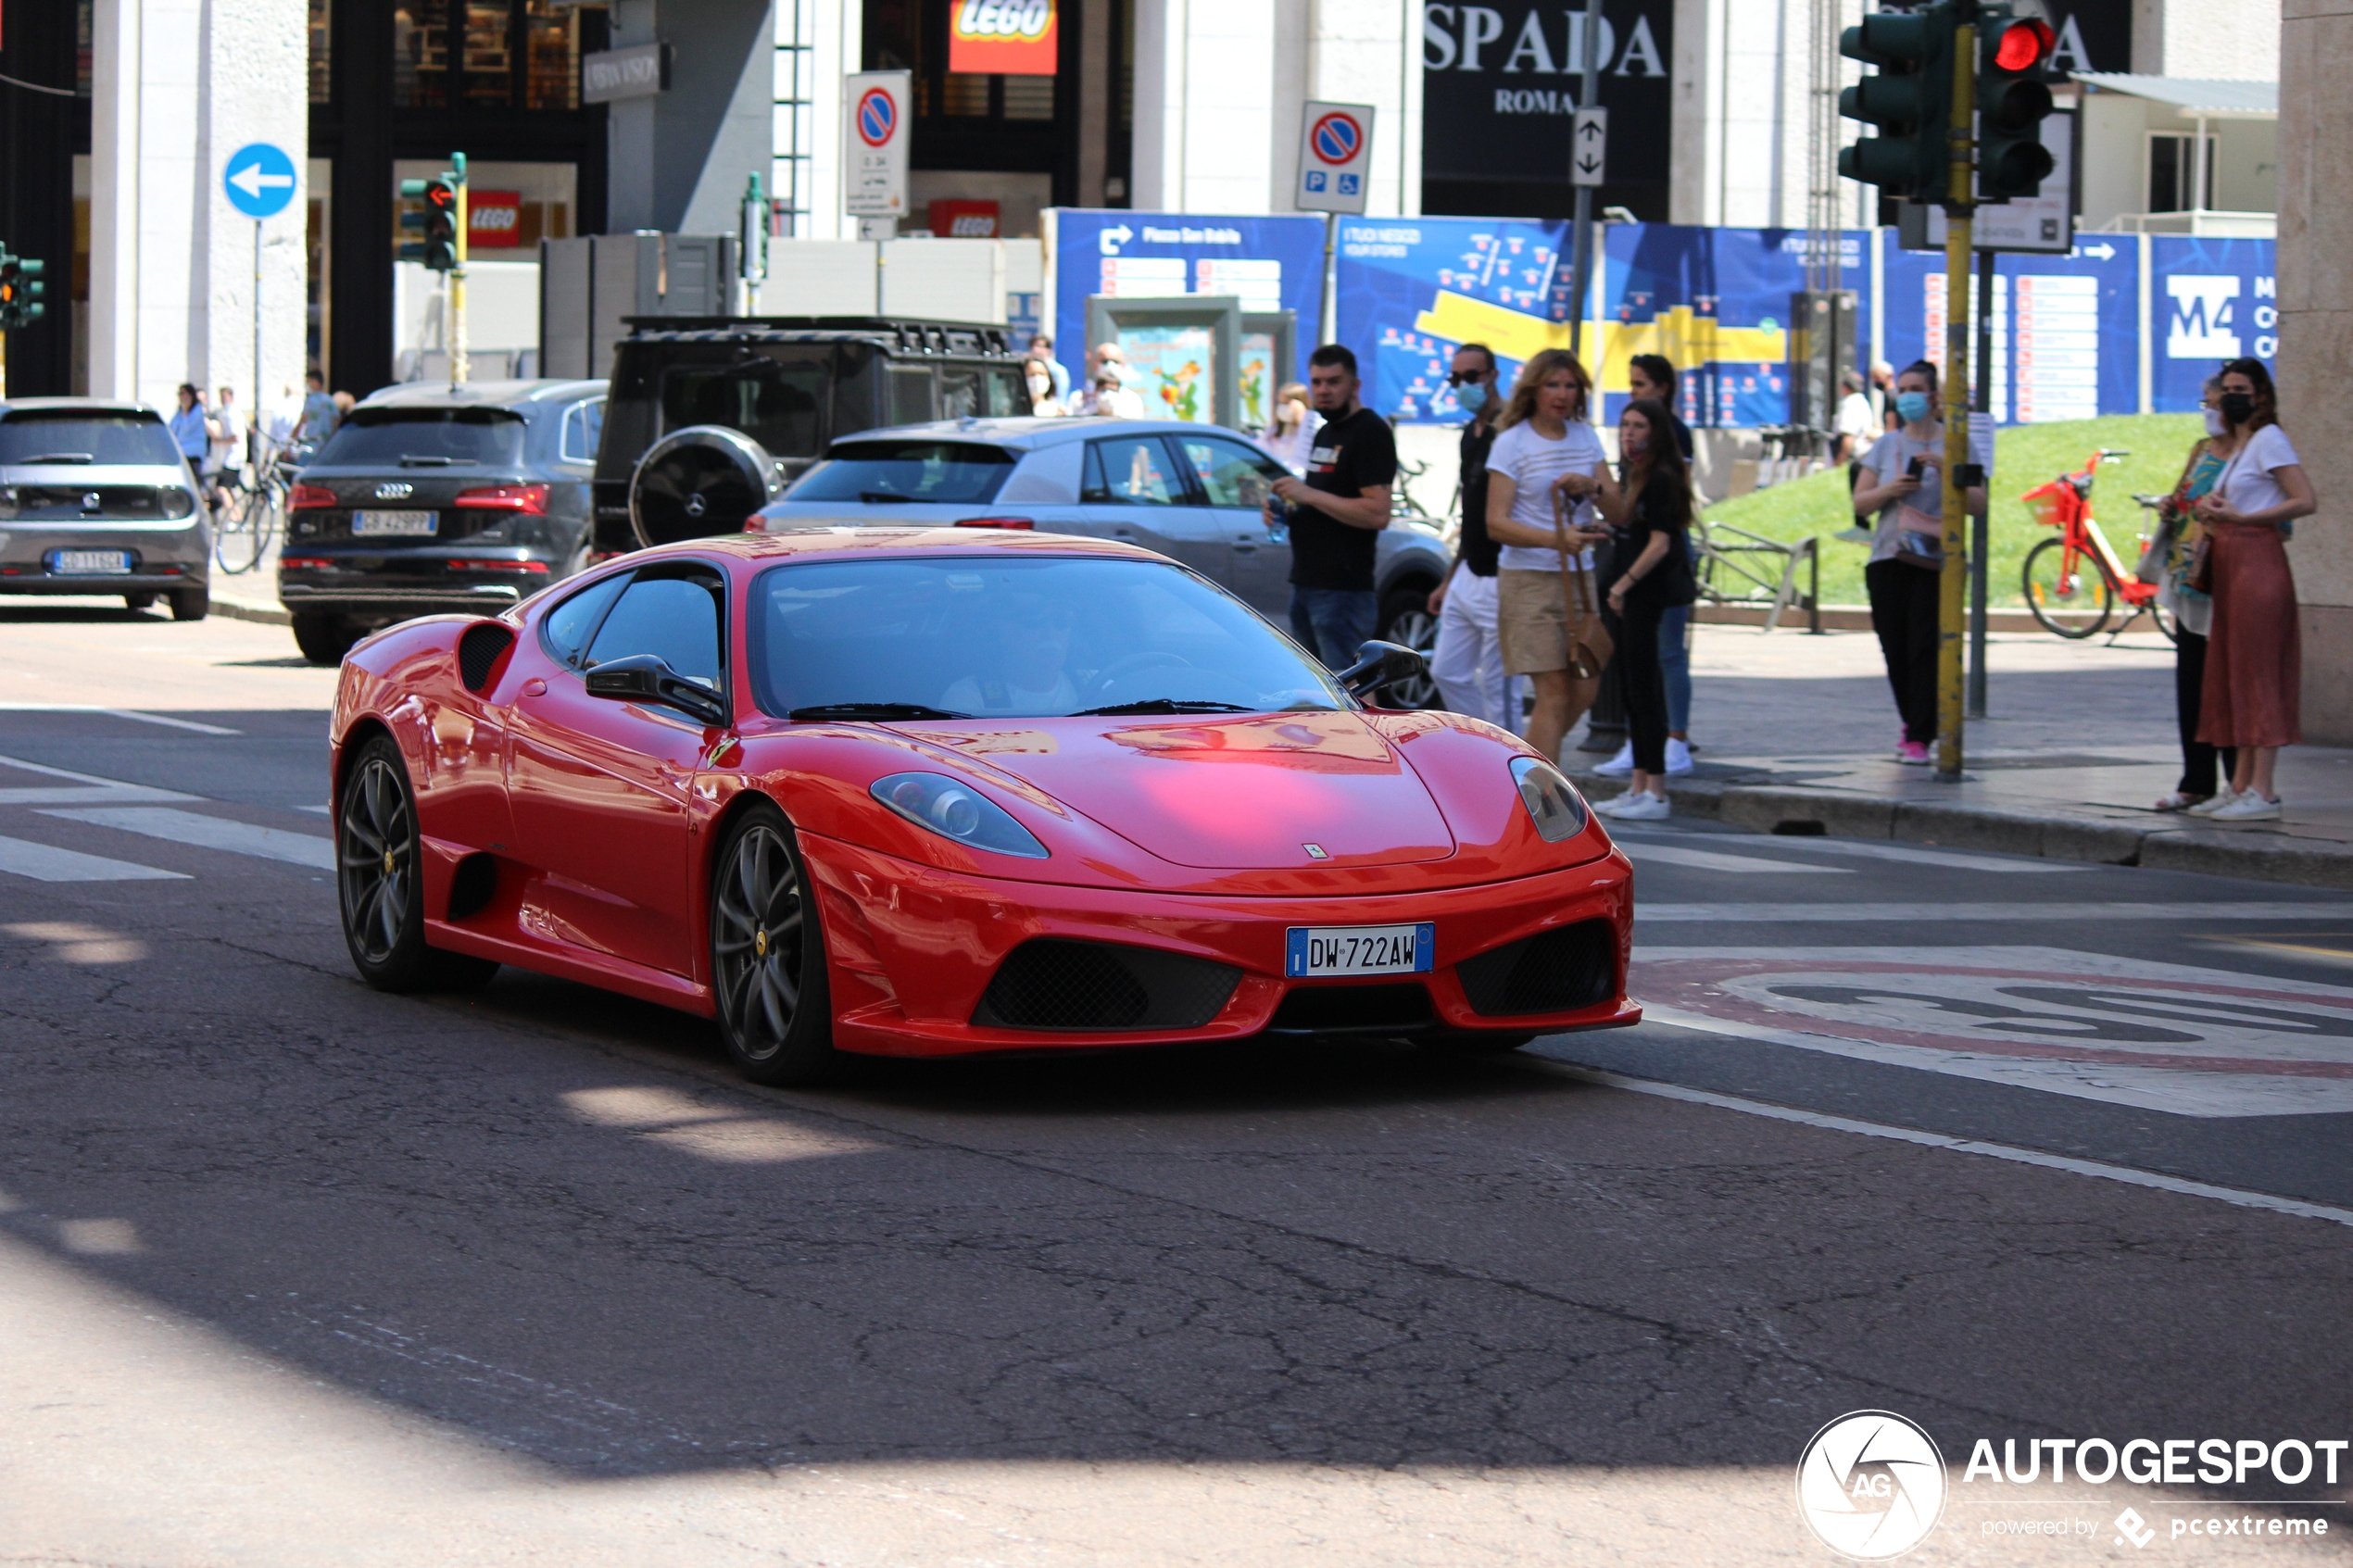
{"x":2170,"y":1037}
{"x":44,"y":863}
{"x":2123,"y":1173}
{"x":2086,"y":914}
{"x":1861,"y":850}
{"x":117,"y":713}
{"x":1656,"y":853}
{"x":210,"y":832}
{"x":80,"y":789}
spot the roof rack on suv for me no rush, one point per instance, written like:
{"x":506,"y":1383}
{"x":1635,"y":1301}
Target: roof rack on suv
{"x":902,"y":334}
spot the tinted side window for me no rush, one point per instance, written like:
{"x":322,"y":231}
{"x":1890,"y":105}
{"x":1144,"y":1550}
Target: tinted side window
{"x":584,"y":427}
{"x":1008,"y":399}
{"x":1132,"y":471}
{"x":959,"y":393}
{"x":567,"y":628}
{"x":909,"y":394}
{"x":1231,"y":474}
{"x":774,"y":400}
{"x":676,"y":618}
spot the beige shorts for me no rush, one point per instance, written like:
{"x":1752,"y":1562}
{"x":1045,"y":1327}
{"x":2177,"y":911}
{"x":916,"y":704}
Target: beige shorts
{"x":1533,"y":622}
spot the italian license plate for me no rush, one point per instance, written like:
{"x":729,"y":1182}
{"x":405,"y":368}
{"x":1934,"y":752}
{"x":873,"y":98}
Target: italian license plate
{"x":1314,"y":951}
{"x":90,"y":562}
{"x":413,"y":524}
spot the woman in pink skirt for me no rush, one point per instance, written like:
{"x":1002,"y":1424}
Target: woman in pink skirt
{"x":2253,"y":666}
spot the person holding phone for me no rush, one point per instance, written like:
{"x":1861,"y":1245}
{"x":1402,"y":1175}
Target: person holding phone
{"x":1903,"y":481}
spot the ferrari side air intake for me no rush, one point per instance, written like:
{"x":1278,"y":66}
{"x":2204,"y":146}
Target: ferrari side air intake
{"x":1552,"y":972}
{"x":1059,"y":983}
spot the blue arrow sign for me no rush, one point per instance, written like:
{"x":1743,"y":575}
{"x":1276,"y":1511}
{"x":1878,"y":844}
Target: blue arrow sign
{"x":259,"y":180}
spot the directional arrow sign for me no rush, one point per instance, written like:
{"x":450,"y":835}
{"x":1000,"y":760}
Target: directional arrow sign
{"x":260,"y":179}
{"x":1111,"y":239}
{"x":1589,"y":144}
{"x":2105,"y":252}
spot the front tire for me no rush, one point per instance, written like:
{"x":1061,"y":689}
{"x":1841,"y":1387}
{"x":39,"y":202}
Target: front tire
{"x":190,"y":604}
{"x":324,"y":639}
{"x":768,"y":956}
{"x":380,"y":884}
{"x":2073,"y":608}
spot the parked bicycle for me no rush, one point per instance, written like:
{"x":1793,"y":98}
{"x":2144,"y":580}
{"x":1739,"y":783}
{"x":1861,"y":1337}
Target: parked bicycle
{"x":246,"y":519}
{"x":1402,"y":499}
{"x":2074,"y":582}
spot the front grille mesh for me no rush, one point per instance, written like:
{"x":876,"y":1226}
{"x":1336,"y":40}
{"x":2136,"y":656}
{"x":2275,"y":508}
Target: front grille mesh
{"x":1551,"y":971}
{"x":1352,"y":1010}
{"x":1058,"y":984}
{"x":478,"y":652}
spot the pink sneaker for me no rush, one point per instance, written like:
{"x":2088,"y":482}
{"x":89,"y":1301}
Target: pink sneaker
{"x":1912,"y":754}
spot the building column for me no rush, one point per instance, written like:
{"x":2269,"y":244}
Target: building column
{"x":176,"y":86}
{"x":2316,"y":343}
{"x":680,"y":158}
{"x":1205,"y":75}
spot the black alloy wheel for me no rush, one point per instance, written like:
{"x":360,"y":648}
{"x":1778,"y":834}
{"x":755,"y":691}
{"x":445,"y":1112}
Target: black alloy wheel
{"x":378,"y":880}
{"x":768,"y":956}
{"x":324,"y":639}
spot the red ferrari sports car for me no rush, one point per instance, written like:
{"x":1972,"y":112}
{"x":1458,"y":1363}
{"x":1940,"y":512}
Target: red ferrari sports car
{"x":924,"y":791}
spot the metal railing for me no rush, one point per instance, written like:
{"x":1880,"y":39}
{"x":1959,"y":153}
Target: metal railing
{"x":1740,"y":567}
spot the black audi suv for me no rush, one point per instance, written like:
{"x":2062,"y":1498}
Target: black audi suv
{"x":432,"y":497}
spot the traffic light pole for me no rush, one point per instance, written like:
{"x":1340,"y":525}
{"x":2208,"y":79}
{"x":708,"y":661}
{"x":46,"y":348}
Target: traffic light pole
{"x":458,"y":369}
{"x":1959,"y":253}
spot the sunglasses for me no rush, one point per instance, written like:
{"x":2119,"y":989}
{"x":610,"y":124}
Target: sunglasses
{"x":1456,"y":378}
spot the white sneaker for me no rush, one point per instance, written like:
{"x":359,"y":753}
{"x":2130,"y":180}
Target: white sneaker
{"x":2212,"y":803}
{"x":1620,"y":765}
{"x":1607,"y":808}
{"x":2248,"y":808}
{"x":1679,"y":756}
{"x":1642,"y":808}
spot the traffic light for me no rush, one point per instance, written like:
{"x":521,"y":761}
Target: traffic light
{"x":1909,"y":99}
{"x":438,"y":249}
{"x":2012,"y":102}
{"x":20,"y":291}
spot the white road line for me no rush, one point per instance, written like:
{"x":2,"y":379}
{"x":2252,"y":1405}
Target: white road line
{"x":93,"y":779}
{"x":1659,"y":854}
{"x":44,"y":863}
{"x":210,"y":833}
{"x":2124,"y":1173}
{"x":2086,"y":914}
{"x":1864,"y":850}
{"x":117,"y":713}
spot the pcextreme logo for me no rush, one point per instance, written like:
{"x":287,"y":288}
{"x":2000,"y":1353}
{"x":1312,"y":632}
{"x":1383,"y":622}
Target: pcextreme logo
{"x":1870,"y":1486}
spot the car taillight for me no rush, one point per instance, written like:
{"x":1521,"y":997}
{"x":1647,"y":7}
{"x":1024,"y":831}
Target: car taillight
{"x":532,"y":498}
{"x":304,"y":563}
{"x":537,"y":566}
{"x":307,"y":496}
{"x":996,"y":522}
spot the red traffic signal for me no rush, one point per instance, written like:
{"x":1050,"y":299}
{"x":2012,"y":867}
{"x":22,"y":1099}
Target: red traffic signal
{"x":2024,"y":44}
{"x":441,"y":195}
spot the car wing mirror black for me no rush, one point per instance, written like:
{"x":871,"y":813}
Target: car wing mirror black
{"x":1380,"y":664}
{"x":647,"y":677}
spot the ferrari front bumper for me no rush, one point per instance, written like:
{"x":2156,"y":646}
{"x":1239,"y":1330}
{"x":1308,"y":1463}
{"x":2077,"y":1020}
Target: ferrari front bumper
{"x":912,"y":949}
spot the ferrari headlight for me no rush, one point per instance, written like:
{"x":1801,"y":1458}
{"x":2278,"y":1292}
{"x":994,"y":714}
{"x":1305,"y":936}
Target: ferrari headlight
{"x":957,"y":810}
{"x":1551,"y":799}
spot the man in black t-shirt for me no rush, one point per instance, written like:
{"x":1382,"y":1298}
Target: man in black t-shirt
{"x":1335,"y":511}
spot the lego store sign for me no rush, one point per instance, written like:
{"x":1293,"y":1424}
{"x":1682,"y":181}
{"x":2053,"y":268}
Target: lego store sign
{"x":1002,"y":37}
{"x":494,"y":220}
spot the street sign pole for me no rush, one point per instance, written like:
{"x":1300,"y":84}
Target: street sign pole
{"x":1586,"y":180}
{"x":1334,"y":177}
{"x":1960,"y":206}
{"x":1980,"y":532}
{"x":259,"y":180}
{"x":253,"y":398}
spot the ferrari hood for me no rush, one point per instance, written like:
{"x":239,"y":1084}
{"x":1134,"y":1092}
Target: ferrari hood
{"x":1263,"y":791}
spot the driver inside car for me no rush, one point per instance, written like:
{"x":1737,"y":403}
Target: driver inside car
{"x":1026,"y":674}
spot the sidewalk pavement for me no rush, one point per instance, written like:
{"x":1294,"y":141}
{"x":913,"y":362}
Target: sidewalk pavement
{"x":1797,"y":735}
{"x":250,"y":596}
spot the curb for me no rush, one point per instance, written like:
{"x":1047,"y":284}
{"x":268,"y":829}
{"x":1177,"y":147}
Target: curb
{"x":2250,"y":854}
{"x":240,"y":609}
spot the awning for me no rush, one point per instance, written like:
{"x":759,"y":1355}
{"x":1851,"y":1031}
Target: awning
{"x":2214,"y":100}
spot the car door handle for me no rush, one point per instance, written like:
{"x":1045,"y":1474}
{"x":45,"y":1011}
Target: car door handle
{"x":534,"y":687}
{"x":1242,"y":549}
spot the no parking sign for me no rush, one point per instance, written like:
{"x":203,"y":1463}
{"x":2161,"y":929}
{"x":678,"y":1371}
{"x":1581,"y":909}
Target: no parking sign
{"x":875,"y":169}
{"x":1334,"y":157}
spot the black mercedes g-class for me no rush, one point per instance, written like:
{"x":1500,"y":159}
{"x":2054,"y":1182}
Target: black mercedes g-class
{"x":792,"y":385}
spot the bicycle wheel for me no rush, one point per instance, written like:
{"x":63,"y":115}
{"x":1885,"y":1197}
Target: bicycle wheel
{"x":236,"y":541}
{"x":2076,"y":606}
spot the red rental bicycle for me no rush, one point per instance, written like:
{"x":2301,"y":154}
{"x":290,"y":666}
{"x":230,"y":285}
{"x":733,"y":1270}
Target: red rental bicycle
{"x":2073,"y":582}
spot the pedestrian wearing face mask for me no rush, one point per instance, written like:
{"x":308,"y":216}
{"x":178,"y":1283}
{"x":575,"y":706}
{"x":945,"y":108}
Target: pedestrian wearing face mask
{"x":1468,"y":663}
{"x":2252,"y":660}
{"x":1037,"y":373}
{"x":2179,"y":546}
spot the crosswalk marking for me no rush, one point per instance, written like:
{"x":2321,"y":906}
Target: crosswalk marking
{"x":131,"y":713}
{"x":78,"y":788}
{"x":1904,"y":853}
{"x":44,"y":862}
{"x":1784,"y":914}
{"x":1652,"y":851}
{"x":210,"y":832}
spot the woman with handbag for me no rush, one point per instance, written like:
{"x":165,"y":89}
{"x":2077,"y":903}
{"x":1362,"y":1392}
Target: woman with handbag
{"x":1902,"y":480}
{"x":2253,"y":665}
{"x":1652,"y":503}
{"x":1543,"y":473}
{"x":2174,"y":561}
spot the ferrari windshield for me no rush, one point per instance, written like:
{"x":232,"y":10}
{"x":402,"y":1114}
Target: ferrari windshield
{"x":932,"y":638}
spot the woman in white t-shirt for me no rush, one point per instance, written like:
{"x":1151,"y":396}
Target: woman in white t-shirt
{"x":1546,"y":448}
{"x":2253,"y":661}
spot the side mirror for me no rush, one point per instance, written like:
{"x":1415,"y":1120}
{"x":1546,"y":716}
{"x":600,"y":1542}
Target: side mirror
{"x":1379,"y":664}
{"x":647,"y":677}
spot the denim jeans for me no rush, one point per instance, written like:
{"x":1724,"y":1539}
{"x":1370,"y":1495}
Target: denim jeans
{"x":1332,"y":623}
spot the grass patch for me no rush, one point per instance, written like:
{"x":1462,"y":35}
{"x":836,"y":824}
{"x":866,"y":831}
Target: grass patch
{"x":2024,"y":456}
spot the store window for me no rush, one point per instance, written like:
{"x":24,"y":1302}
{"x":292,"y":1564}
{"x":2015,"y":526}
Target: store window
{"x":507,"y":54}
{"x":321,"y":51}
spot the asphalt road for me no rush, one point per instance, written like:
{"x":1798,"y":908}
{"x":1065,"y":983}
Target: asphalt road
{"x":292,"y":1273}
